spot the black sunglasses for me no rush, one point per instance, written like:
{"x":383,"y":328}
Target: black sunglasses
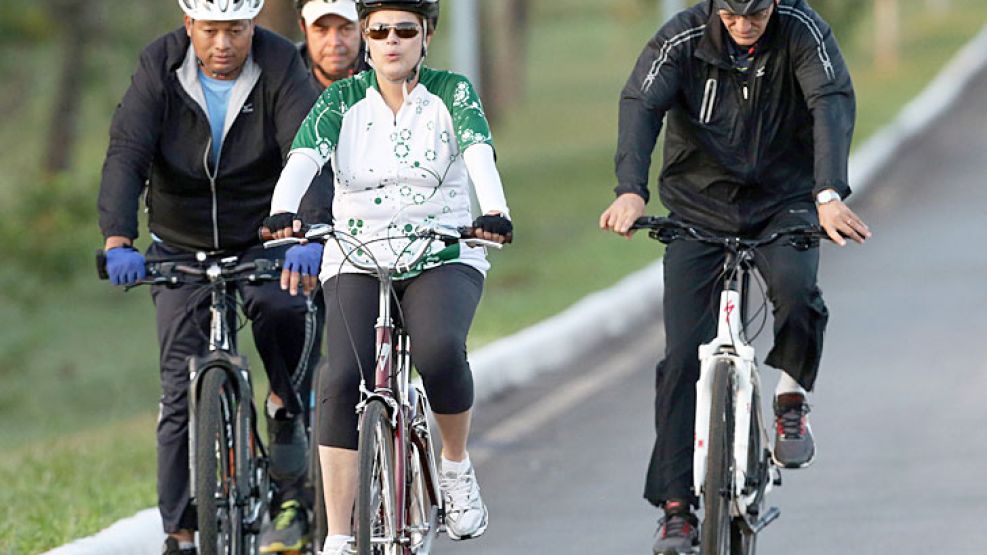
{"x":404,"y":30}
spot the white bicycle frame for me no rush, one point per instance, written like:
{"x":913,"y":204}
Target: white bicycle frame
{"x":727,"y":345}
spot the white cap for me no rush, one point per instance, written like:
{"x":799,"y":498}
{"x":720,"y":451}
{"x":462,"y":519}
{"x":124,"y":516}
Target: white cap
{"x":314,"y":9}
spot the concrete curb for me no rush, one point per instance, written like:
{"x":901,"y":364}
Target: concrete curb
{"x":920,"y":112}
{"x":589,"y":325}
{"x":140,"y":534}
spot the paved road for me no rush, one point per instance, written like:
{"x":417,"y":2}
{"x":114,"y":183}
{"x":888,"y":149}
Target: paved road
{"x":901,"y":405}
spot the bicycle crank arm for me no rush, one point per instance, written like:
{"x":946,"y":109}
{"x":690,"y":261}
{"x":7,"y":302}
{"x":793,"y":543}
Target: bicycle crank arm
{"x":433,"y":528}
{"x":767,"y":518}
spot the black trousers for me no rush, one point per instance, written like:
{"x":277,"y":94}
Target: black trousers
{"x":284,"y":328}
{"x":438,"y":307}
{"x":692,"y":285}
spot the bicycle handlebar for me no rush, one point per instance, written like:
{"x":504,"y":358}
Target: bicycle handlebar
{"x":667,"y":230}
{"x":446,"y":234}
{"x":173,"y":272}
{"x":322,"y":231}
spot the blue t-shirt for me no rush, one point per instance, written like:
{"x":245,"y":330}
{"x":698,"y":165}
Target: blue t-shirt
{"x":217,"y":94}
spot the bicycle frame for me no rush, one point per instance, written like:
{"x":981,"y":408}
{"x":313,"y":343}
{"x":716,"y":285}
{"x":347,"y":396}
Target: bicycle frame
{"x":406,"y":405}
{"x":729,"y":344}
{"x":222,"y":356}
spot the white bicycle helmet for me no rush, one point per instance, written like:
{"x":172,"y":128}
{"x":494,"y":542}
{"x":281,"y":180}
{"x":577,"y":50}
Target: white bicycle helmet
{"x":221,"y":10}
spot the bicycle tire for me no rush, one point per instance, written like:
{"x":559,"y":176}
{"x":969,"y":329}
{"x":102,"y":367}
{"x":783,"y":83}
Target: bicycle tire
{"x":220,"y":527}
{"x":742,"y":540}
{"x":423,"y":507}
{"x":375,"y":498}
{"x":719,"y":466}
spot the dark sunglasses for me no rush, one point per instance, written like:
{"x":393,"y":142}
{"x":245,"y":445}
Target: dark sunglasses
{"x":404,"y":30}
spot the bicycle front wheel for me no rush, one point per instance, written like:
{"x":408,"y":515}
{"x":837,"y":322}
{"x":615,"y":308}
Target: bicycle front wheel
{"x":718,"y":487}
{"x":376,"y":513}
{"x":743,"y":540}
{"x":215,"y":459}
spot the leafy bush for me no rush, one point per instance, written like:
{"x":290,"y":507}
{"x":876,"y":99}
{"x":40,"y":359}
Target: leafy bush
{"x":50,"y":235}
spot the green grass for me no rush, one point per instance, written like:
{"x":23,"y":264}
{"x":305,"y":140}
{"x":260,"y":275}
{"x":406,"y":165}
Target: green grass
{"x":78,"y":377}
{"x":56,"y":491}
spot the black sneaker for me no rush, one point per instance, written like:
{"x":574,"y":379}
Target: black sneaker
{"x":288,"y":446}
{"x":171,"y":547}
{"x":794,"y":446}
{"x":678,"y":530}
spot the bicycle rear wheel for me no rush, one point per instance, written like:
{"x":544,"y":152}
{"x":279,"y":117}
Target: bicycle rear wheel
{"x":717,"y":491}
{"x":220,"y":526}
{"x":376,"y":513}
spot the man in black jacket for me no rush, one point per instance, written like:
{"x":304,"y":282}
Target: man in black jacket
{"x":760,"y":112}
{"x":202,"y":132}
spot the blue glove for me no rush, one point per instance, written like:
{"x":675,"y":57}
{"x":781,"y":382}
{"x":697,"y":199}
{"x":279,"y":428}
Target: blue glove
{"x":304,"y":259}
{"x":125,"y":266}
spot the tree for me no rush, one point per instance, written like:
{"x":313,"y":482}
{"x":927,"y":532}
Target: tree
{"x":281,"y":17}
{"x":886,"y":34}
{"x":502,"y":58}
{"x":76,"y":29}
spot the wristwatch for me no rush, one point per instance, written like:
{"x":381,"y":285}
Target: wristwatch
{"x":826,"y":196}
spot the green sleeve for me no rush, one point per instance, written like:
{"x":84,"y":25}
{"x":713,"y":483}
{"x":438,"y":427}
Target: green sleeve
{"x":320,"y":129}
{"x":468,"y":119}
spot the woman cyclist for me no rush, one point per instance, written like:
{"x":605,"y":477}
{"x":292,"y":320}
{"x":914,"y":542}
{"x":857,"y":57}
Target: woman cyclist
{"x":404,"y":142}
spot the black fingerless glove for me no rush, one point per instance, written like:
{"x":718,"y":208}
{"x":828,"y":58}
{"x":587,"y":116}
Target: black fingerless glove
{"x":277,"y":222}
{"x":494,"y":224}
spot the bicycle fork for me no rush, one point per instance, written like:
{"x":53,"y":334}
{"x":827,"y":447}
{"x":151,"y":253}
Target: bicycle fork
{"x":727,"y":346}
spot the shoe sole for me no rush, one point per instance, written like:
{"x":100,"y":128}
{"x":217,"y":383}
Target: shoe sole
{"x":479,"y":531}
{"x":793,"y":466}
{"x":690,"y":551}
{"x":279,"y":547}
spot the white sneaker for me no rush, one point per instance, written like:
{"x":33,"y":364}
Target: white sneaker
{"x":466,"y":515}
{"x":338,"y":545}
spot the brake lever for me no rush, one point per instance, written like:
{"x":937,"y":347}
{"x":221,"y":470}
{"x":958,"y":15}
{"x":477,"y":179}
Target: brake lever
{"x":475,"y":242}
{"x":665,"y":235}
{"x":282,"y":242}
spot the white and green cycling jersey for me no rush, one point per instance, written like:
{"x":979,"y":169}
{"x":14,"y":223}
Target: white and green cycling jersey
{"x":396,"y":172}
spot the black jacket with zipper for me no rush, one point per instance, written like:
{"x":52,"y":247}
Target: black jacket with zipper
{"x":739,"y":147}
{"x":160,"y":137}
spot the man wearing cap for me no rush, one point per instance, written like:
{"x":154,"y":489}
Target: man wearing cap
{"x":760,"y":111}
{"x":332,"y":49}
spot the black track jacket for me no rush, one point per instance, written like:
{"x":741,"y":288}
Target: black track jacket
{"x":738,"y":148}
{"x":160,"y":136}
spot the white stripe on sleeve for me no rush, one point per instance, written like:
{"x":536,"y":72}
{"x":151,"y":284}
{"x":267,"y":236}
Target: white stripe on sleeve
{"x":479,"y":159}
{"x":295,"y":179}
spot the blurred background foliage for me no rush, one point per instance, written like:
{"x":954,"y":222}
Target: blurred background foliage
{"x":78,"y":383}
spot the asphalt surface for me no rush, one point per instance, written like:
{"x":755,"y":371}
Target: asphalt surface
{"x":900,"y":410}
